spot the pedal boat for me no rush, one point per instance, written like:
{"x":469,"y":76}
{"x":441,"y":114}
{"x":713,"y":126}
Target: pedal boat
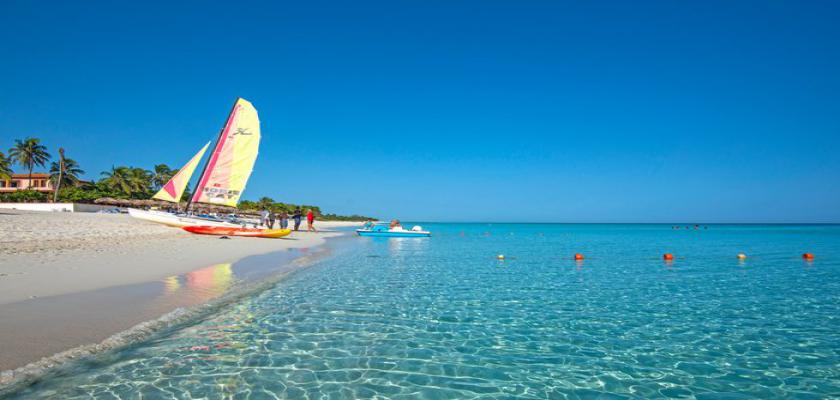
{"x":383,"y":231}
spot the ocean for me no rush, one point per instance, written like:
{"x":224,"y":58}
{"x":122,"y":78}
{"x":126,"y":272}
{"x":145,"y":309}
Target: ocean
{"x":444,"y":318}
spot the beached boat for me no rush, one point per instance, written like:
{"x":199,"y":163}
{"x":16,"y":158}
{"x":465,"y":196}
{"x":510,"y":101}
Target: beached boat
{"x":179,"y":220}
{"x":228,"y":231}
{"x":384,"y":231}
{"x":223,"y":178}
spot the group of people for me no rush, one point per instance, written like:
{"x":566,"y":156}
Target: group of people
{"x":269,"y":218}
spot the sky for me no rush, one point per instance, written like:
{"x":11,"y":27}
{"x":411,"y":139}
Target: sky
{"x":532,"y":111}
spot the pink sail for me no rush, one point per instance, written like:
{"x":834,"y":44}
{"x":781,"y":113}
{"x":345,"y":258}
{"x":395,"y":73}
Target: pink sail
{"x":173,"y":189}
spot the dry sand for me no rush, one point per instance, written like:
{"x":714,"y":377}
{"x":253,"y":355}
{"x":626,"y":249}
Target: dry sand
{"x":73,"y":279}
{"x":48,"y":254}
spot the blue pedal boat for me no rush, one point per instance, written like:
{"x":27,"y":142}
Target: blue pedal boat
{"x":383,"y":231}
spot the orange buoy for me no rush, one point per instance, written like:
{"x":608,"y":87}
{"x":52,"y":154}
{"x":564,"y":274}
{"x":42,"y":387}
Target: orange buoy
{"x":667,"y":256}
{"x":742,"y":256}
{"x":808,"y":256}
{"x":578,"y":256}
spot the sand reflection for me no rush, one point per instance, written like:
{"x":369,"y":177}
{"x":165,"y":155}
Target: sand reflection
{"x":200,"y":285}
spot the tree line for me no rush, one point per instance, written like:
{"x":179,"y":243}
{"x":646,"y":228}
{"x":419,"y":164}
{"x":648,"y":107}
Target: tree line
{"x":267,"y":203}
{"x":121,"y":182}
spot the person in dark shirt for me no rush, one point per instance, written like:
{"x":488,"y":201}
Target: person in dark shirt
{"x":296,"y":216}
{"x":271,"y":218}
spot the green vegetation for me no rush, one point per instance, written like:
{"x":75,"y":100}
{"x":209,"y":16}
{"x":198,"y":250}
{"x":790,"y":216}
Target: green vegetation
{"x":133,"y":182}
{"x":5,"y":167}
{"x":121,"y":182}
{"x":162,"y":174}
{"x":267,"y":203}
{"x":23,"y":196}
{"x":354,"y":217}
{"x":71,"y":176}
{"x":28,"y":153}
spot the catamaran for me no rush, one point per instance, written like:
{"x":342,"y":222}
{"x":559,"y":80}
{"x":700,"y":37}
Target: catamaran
{"x":223,"y":178}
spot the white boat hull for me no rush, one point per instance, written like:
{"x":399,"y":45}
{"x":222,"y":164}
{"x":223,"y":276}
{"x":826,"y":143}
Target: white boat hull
{"x":176,"y":220}
{"x":392,"y":233}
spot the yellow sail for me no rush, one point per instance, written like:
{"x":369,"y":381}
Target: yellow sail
{"x":173,"y":189}
{"x":232,"y":161}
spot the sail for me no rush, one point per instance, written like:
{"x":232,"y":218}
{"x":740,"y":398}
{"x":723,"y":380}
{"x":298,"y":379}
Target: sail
{"x":232,"y":161}
{"x":173,"y":189}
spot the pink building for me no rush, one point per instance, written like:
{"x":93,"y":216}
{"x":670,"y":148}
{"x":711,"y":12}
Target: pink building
{"x":40,"y":182}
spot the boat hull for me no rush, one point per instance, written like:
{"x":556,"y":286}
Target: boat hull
{"x":369,"y":233}
{"x":246,"y":232}
{"x":176,"y":220}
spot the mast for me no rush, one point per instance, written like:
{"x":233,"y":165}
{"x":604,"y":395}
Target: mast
{"x":207,"y":162}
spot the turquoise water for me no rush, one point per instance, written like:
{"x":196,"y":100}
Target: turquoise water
{"x":443,"y":318}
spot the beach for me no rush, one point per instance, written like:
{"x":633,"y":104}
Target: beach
{"x":70,"y":279}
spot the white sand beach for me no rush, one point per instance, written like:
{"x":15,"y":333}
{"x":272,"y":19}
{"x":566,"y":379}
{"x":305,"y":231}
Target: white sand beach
{"x":53,"y":264}
{"x":48,"y":254}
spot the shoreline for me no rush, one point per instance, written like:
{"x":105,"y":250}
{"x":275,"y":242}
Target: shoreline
{"x":91,"y":303}
{"x":50,"y":254}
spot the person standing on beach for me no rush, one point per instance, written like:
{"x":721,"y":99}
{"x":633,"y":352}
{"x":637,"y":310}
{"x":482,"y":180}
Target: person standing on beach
{"x":284,"y":220}
{"x":264,"y":217}
{"x":296,"y":217}
{"x":310,"y":221}
{"x":271,"y":218}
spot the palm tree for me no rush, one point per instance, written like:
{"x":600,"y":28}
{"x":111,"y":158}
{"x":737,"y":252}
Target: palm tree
{"x":265,"y":203}
{"x":70,"y":175}
{"x":118,"y":179}
{"x":161,"y":175}
{"x":5,"y":167}
{"x":28,"y":153}
{"x":142,"y":180}
{"x":127,"y":180}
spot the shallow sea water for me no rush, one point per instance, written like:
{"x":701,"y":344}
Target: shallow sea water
{"x":442,"y":318}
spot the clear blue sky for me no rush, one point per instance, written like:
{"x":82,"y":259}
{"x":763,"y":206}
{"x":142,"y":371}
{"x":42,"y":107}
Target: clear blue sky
{"x":592,"y":111}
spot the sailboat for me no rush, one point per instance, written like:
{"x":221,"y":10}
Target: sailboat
{"x":223,"y":178}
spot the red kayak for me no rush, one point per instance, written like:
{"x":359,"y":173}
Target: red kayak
{"x":228,"y":231}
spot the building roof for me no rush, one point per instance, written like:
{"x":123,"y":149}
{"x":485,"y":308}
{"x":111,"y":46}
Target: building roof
{"x":35,"y":175}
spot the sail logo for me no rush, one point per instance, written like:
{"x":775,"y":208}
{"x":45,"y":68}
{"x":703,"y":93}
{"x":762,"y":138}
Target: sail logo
{"x":220,"y":193}
{"x":242,"y":131}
